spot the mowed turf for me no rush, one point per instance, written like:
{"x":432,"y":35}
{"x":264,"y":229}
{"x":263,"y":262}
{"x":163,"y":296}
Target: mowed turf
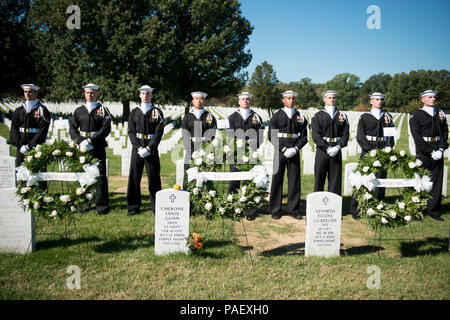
{"x":115,"y":254}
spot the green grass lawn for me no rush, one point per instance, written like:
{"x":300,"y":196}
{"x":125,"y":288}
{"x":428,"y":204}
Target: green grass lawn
{"x":116,"y":256}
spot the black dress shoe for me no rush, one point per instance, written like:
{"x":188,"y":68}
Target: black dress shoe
{"x":438,"y":218}
{"x":356,"y":217}
{"x":250,"y":218}
{"x":276,"y":215}
{"x":297,"y":216}
{"x":102,"y":213}
{"x":133,"y":212}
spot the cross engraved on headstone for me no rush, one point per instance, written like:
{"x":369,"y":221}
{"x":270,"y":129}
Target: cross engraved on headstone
{"x":172,"y":198}
{"x":325,"y":200}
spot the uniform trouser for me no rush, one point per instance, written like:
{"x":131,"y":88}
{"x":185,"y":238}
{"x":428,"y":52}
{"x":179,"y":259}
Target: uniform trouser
{"x":293,"y":175}
{"x":102,"y":194}
{"x":153,"y":168}
{"x":324,"y":166}
{"x":234,"y":185}
{"x":379,"y":194}
{"x":19,"y":157}
{"x":437,"y":175}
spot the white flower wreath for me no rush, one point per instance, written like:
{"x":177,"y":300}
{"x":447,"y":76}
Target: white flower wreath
{"x":231,"y":206}
{"x":34,"y":194}
{"x":414,"y":201}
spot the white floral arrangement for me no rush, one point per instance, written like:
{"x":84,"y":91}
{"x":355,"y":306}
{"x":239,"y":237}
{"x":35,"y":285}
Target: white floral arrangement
{"x":33,"y":193}
{"x":413,"y":202}
{"x":207,"y":200}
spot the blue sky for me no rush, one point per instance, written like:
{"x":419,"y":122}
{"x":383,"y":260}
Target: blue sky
{"x":319,"y":39}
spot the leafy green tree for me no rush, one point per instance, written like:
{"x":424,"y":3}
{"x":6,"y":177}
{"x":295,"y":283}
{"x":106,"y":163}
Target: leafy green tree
{"x":407,"y":87}
{"x":263,"y":86}
{"x":176,"y":46}
{"x":376,"y":83}
{"x":347,"y":86}
{"x":15,"y":59}
{"x":307,"y":96}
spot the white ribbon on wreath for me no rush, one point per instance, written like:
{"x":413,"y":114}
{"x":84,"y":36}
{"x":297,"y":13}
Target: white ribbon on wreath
{"x":258,"y":174}
{"x":422,"y":184}
{"x":86,"y":178}
{"x":357,"y":180}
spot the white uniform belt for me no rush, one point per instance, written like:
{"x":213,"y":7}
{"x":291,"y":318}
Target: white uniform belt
{"x":87,"y":134}
{"x":373,"y":138}
{"x":431,"y":139}
{"x":336,"y":139}
{"x":289,"y":135}
{"x":30,"y":130}
{"x":144,"y":136}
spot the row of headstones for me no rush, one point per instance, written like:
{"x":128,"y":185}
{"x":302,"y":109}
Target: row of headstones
{"x":323,"y":223}
{"x":116,"y":108}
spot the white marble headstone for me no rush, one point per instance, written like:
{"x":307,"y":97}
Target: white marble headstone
{"x":4,"y":149}
{"x":180,"y":172}
{"x":349,"y":167}
{"x":17,"y":227}
{"x":126,"y":160}
{"x":7,"y":172}
{"x":323,"y":224}
{"x":171,"y":221}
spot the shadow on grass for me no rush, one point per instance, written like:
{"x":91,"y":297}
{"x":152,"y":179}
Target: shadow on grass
{"x":219,"y":249}
{"x":433,"y":246}
{"x":126,"y":243}
{"x":290,"y":249}
{"x":366,"y":249}
{"x":299,"y":249}
{"x":64,"y":242}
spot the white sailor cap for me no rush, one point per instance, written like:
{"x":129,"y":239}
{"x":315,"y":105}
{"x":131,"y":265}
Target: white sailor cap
{"x":428,"y":92}
{"x":377,"y":95}
{"x":327,"y":93}
{"x":198,"y":93}
{"x":90,"y":86}
{"x":289,"y":93}
{"x":145,"y":88}
{"x":30,"y":86}
{"x":245,"y":95}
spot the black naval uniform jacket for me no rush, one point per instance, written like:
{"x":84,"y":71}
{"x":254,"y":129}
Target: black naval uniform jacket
{"x":249,"y":130}
{"x":430,"y":133}
{"x":29,"y":128}
{"x":83,"y":123}
{"x":322,"y":126}
{"x":296,"y":125}
{"x":370,"y":126}
{"x":253,"y":121}
{"x":140,"y":126}
{"x":423,"y":125}
{"x":191,"y":143}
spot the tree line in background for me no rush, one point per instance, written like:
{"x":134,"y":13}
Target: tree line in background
{"x":402,"y":90}
{"x":177,"y":46}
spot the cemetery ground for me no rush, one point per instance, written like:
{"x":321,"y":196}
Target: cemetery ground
{"x":115,"y":254}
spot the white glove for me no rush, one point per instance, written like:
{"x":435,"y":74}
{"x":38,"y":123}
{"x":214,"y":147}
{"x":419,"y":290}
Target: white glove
{"x":436,"y":155}
{"x":86,"y":146}
{"x":204,"y":139}
{"x":24,"y":149}
{"x":143,"y":152}
{"x":332,"y":151}
{"x":290,"y":152}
